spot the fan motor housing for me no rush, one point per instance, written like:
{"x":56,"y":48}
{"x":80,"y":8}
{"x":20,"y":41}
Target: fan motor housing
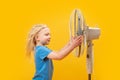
{"x":93,"y":33}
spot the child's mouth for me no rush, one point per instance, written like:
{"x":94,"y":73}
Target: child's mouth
{"x":49,"y":40}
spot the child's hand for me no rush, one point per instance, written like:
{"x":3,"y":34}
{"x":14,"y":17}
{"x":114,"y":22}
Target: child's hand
{"x":76,"y":41}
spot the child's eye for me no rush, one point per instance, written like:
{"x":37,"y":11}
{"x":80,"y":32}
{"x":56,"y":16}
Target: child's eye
{"x":46,"y":34}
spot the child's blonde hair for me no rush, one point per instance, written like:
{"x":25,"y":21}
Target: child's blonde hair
{"x":31,"y":41}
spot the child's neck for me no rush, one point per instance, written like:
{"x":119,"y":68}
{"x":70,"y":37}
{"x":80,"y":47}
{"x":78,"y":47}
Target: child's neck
{"x":39,"y":44}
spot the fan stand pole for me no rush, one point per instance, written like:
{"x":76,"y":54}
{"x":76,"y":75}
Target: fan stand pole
{"x":89,"y":58}
{"x":89,"y":76}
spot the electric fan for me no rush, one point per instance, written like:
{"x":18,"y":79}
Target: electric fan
{"x":78,"y":27}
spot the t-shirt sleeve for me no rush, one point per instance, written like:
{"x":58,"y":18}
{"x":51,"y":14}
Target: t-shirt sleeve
{"x":43,"y":52}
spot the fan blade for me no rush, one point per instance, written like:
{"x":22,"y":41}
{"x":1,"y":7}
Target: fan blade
{"x":79,"y":31}
{"x":75,"y":23}
{"x":76,"y":29}
{"x":77,"y":52}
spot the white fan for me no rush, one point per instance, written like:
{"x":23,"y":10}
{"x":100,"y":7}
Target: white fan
{"x":78,"y":27}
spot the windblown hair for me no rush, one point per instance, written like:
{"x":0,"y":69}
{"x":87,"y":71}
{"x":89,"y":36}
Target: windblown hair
{"x":31,"y":41}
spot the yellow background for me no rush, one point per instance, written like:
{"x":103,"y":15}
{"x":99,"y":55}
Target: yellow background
{"x":17,"y":17}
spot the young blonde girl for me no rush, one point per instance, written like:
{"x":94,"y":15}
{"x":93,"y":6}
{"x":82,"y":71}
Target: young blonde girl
{"x":38,"y":38}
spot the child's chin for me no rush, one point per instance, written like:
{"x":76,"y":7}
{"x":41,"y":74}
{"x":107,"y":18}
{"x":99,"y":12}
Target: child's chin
{"x":47,"y":43}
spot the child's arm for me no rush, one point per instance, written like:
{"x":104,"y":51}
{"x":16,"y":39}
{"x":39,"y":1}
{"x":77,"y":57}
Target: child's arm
{"x":58,"y":55}
{"x":66,"y":46}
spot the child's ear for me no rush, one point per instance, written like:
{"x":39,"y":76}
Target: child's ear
{"x":36,"y":37}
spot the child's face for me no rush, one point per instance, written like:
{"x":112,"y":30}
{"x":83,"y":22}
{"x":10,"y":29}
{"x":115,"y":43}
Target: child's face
{"x":44,"y":36}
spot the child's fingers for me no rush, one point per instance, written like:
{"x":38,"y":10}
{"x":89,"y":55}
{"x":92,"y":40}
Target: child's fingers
{"x":74,"y":37}
{"x":79,"y":37}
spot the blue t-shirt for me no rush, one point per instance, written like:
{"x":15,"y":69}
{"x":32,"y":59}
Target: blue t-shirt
{"x":43,"y":65}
